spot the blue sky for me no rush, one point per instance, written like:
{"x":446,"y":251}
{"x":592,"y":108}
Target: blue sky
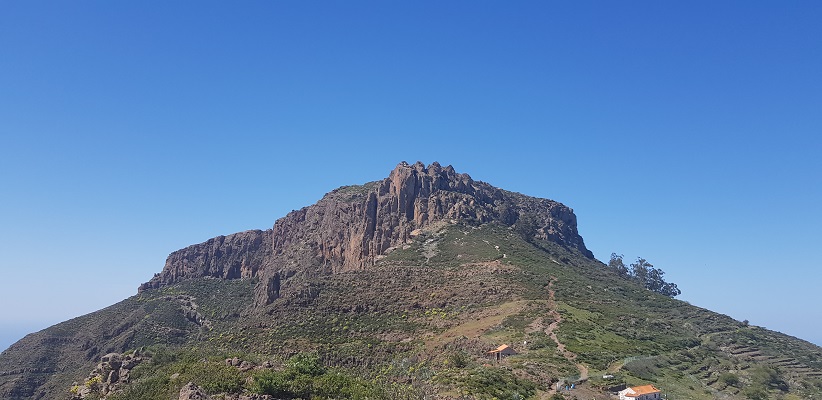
{"x":688,"y":134}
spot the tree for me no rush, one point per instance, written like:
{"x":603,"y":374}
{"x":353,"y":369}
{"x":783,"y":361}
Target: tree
{"x":644,"y":273}
{"x":654,"y":281}
{"x":641,"y":270}
{"x":617,"y":265}
{"x":669,"y":289}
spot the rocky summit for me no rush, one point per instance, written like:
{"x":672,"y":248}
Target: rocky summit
{"x":353,"y":226}
{"x":424,"y":285}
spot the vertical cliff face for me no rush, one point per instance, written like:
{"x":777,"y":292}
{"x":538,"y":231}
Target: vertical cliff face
{"x":350,"y":226}
{"x":239,"y":255}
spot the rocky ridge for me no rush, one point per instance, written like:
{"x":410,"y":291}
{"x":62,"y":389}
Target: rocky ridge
{"x":351,"y":227}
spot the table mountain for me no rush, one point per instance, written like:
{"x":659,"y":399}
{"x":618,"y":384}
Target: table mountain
{"x":351,"y":227}
{"x":402,"y":289}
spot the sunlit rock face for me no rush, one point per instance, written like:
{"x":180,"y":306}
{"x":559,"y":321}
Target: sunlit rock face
{"x":350,"y":227}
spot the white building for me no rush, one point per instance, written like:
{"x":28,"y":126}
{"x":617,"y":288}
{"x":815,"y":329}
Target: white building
{"x":646,"y":392}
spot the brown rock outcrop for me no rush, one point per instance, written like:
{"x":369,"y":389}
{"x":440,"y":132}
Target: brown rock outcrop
{"x":109,"y":376}
{"x":192,"y":392}
{"x":350,"y":226}
{"x":238,"y":255}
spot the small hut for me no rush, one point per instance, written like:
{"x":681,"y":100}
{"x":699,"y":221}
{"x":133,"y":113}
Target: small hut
{"x":501,"y":351}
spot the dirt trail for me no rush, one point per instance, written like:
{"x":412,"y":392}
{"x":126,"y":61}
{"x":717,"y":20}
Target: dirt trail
{"x":474,"y":328}
{"x":550,"y":331}
{"x":615,"y":366}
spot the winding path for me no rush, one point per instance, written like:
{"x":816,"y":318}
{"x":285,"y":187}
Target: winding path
{"x":550,"y":331}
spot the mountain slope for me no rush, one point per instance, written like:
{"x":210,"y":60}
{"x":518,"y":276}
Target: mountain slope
{"x":405,"y":284}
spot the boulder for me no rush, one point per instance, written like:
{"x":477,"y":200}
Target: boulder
{"x":114,"y":360}
{"x":192,"y":392}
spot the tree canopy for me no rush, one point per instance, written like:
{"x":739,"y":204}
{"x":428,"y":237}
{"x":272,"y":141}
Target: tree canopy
{"x":644,"y":273}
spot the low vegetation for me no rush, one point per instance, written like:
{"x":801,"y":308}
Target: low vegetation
{"x":301,"y":377}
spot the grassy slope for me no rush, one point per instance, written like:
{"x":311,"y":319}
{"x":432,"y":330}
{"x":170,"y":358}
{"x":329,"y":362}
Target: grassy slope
{"x":422,"y":320}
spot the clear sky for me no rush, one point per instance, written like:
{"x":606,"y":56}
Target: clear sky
{"x":687,"y":133}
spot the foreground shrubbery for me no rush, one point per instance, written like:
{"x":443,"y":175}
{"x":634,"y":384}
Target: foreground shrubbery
{"x":487,"y":382}
{"x":303,"y":377}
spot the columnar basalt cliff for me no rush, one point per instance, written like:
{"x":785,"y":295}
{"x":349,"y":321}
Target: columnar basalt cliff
{"x":351,"y":226}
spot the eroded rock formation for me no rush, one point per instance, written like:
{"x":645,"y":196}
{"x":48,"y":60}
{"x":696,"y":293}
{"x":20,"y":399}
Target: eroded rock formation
{"x":353,"y":225}
{"x":110,"y":374}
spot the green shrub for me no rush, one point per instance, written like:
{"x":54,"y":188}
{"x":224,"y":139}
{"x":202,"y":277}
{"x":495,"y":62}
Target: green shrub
{"x":154,"y":388}
{"x":305,"y":364}
{"x":459,"y":359}
{"x":270,"y":382}
{"x":338,"y":385}
{"x":302,"y":386}
{"x":490,"y":382}
{"x":215,"y":377}
{"x":729,"y":379}
{"x":334,"y":384}
{"x":769,"y":378}
{"x":755,"y":393}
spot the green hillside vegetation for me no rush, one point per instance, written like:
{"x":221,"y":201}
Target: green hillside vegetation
{"x":421,"y":322}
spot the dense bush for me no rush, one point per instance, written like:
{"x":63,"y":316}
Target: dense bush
{"x":305,"y":364}
{"x":216,"y":377}
{"x":270,"y":382}
{"x":755,"y":393}
{"x":458,"y":359}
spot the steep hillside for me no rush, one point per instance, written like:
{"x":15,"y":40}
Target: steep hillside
{"x":399,"y":289}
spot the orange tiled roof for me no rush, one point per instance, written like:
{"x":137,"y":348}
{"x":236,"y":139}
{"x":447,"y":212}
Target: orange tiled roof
{"x":499,"y":349}
{"x":640,"y":390}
